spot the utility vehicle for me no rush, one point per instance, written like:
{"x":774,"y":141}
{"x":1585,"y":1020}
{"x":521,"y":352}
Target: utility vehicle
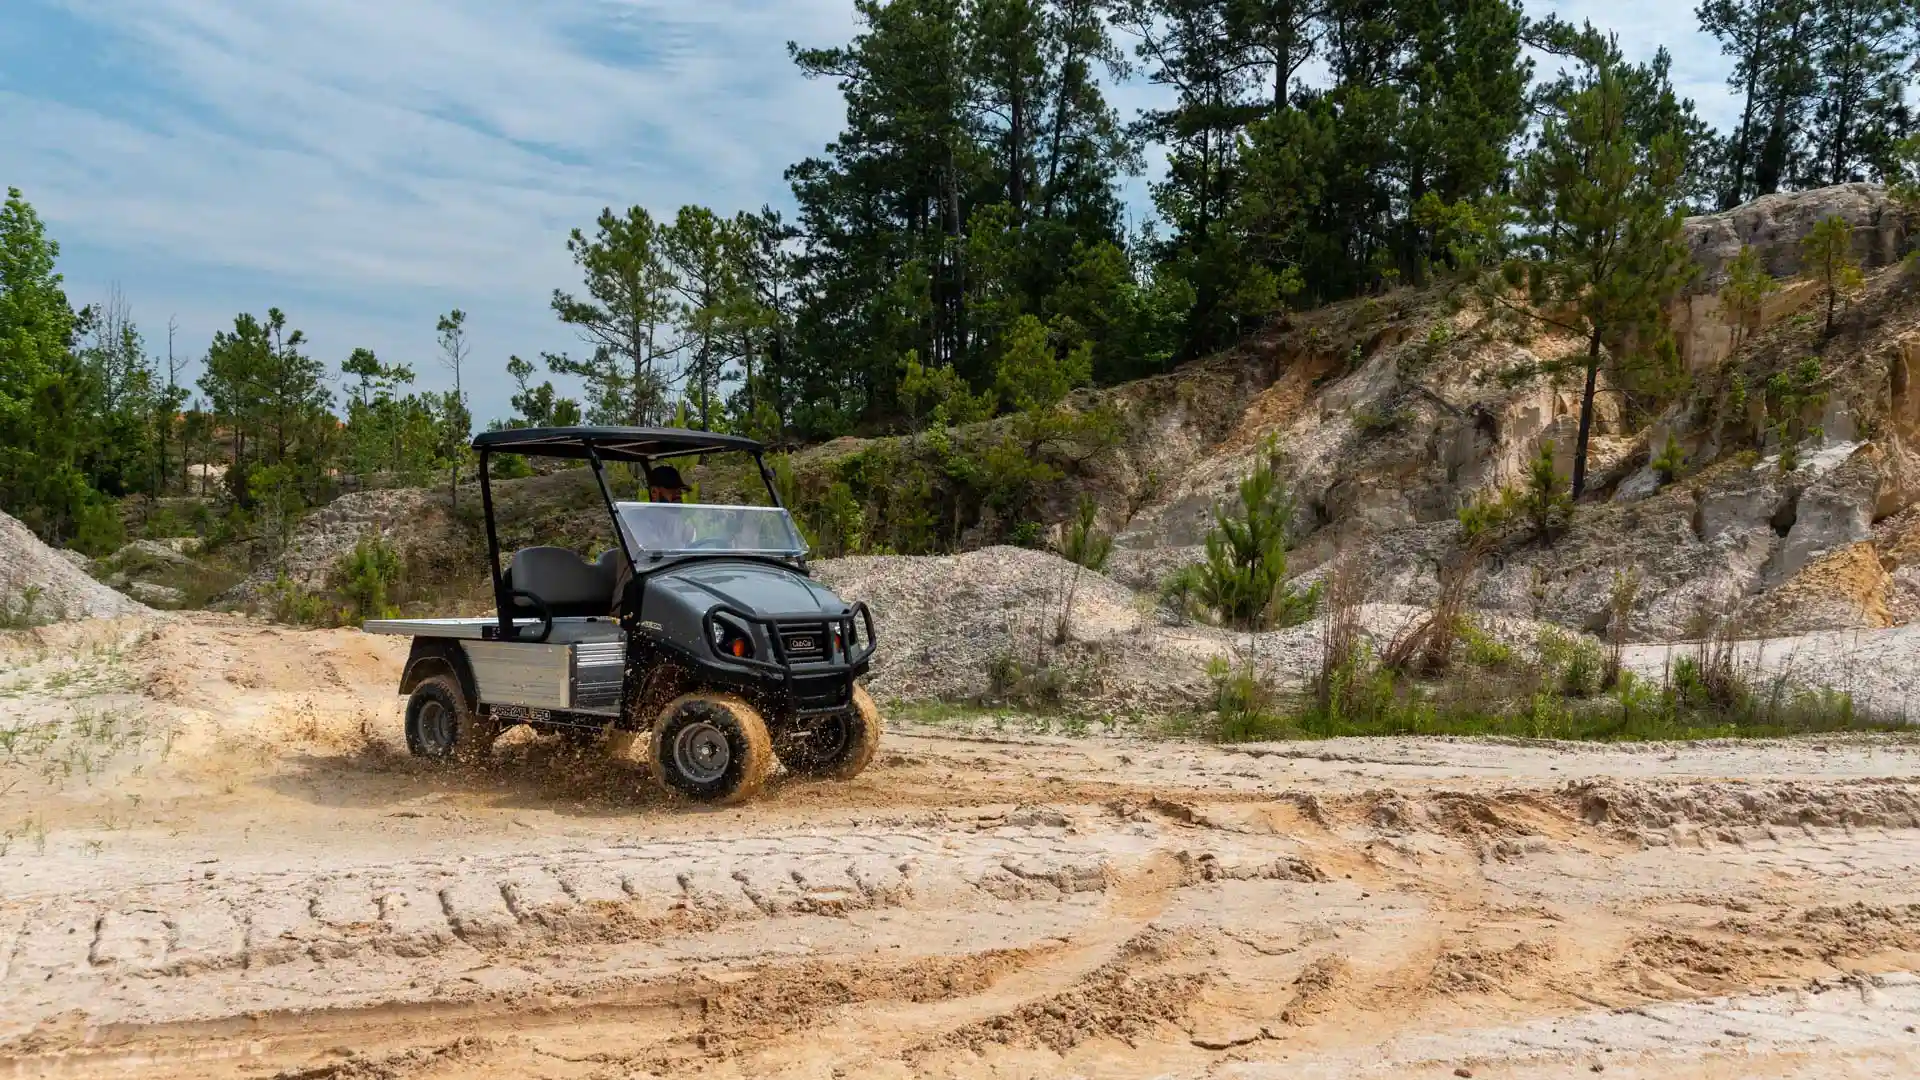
{"x":700,"y":628}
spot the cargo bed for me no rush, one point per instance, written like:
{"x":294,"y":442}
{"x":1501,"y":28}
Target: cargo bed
{"x":565,"y":631}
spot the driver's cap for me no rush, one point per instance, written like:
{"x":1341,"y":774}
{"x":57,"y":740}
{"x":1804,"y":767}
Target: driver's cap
{"x":665,"y":477}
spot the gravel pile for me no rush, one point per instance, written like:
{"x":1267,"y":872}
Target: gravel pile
{"x":59,"y":588}
{"x":947,"y":622}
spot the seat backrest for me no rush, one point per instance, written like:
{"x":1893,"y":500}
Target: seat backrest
{"x":569,"y":585}
{"x":612,"y":565}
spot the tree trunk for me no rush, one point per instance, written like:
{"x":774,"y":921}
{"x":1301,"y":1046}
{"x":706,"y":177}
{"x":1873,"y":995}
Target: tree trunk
{"x":1586,"y":416}
{"x":1743,"y":144}
{"x":1832,"y":293}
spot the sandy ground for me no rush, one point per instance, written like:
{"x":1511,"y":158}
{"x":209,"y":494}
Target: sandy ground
{"x":216,"y":861}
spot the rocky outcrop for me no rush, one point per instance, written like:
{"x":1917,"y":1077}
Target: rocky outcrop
{"x":1774,"y":225}
{"x":402,"y":514}
{"x":1384,"y":448}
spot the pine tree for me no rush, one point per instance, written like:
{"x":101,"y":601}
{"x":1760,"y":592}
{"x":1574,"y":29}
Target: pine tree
{"x":707,"y":258}
{"x":628,"y":302}
{"x":1602,"y":210}
{"x":1828,"y":255}
{"x":1745,"y":293}
{"x":1770,"y":78}
{"x":1862,"y":66}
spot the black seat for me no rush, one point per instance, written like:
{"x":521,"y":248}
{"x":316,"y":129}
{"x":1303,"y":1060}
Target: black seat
{"x":567,"y":584}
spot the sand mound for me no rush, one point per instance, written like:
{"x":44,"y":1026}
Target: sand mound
{"x":35,"y":576}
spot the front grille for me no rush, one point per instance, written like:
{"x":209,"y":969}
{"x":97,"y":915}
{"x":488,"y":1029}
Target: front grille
{"x":807,"y":641}
{"x":822,"y":693}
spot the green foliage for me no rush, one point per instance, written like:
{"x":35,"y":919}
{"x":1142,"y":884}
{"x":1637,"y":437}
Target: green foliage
{"x":1573,"y":665}
{"x":938,"y":395}
{"x":1601,"y":197}
{"x":1025,"y":534}
{"x":1243,"y":583}
{"x":1828,"y":252}
{"x":1487,"y":514}
{"x":1033,"y":374}
{"x":510,"y":466}
{"x":1015,"y":681}
{"x":1544,"y":500}
{"x":1744,"y":296}
{"x":365,"y":578}
{"x":1085,"y":544}
{"x":1671,"y":459}
{"x":837,"y":522}
{"x":1791,"y":395}
{"x":1245,"y":707}
{"x":1370,"y":421}
{"x":1903,"y":176}
{"x":289,"y":603}
{"x":1482,"y":649}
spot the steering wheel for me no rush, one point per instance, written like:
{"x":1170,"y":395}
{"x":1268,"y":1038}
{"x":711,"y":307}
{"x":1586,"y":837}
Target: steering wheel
{"x":709,"y":542}
{"x":540,"y":611}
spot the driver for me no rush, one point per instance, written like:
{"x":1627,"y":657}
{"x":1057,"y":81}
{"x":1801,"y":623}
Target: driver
{"x":665,"y":486}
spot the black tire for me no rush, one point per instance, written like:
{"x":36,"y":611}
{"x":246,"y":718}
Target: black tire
{"x":836,"y":747}
{"x":710,"y":747}
{"x":441,"y":725}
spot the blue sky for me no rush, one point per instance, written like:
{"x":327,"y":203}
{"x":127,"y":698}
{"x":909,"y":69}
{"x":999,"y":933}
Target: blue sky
{"x":367,"y":165}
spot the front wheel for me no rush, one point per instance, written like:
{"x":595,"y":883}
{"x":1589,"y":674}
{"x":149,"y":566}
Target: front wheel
{"x":711,"y":747}
{"x":443,"y":727}
{"x":837,"y":747}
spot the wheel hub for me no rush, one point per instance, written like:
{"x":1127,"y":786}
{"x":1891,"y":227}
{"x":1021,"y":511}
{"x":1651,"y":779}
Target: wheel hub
{"x":701,"y":752}
{"x":827,"y":737}
{"x":436,"y":725}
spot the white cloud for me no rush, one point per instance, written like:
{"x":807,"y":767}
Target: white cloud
{"x":412,"y":147}
{"x":367,"y":164}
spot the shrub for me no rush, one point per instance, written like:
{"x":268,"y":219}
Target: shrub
{"x":1671,"y":460}
{"x":1243,"y":705}
{"x":1571,"y":665}
{"x":290,"y":603}
{"x":365,"y":577}
{"x":1487,"y":514}
{"x":1244,"y":580}
{"x":23,"y":616}
{"x":1084,"y":543}
{"x":509,"y":466}
{"x":1018,"y":682}
{"x":1482,"y":649}
{"x":1180,"y":592}
{"x":1545,"y":500}
{"x":1370,"y":421}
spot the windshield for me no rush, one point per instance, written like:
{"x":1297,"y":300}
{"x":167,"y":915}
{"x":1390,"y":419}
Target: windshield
{"x":676,"y":528}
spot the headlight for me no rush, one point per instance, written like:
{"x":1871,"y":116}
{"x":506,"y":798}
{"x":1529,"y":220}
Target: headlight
{"x":730,"y":639}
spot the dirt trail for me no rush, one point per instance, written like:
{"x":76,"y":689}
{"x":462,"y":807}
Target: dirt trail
{"x":217,"y":861}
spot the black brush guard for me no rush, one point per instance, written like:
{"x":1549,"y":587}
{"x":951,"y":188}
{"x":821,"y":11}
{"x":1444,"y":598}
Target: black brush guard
{"x":846,"y":652}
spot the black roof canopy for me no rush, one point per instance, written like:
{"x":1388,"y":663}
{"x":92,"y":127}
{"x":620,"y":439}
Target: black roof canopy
{"x":610,"y":443}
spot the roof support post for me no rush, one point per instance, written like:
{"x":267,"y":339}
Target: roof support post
{"x":766,"y":476}
{"x":613,"y":512}
{"x":493,"y":549}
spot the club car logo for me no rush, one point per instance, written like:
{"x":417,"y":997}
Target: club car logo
{"x":803,"y":644}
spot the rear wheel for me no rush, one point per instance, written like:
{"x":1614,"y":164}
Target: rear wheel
{"x":711,"y":747}
{"x":443,"y":727}
{"x":837,"y":747}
